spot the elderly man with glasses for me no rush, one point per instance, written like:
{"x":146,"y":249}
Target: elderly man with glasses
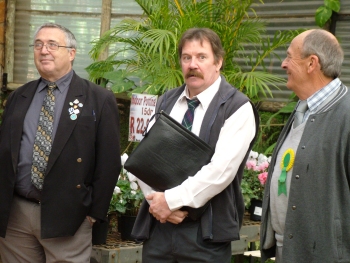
{"x":59,"y":161}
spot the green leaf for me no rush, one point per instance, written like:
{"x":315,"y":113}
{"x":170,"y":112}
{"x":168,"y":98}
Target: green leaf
{"x":122,"y":87}
{"x":323,"y":14}
{"x":333,"y":5}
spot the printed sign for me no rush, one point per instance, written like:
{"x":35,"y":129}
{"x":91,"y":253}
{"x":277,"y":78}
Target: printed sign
{"x":142,"y":108}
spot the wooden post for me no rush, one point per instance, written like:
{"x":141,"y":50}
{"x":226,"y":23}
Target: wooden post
{"x":10,"y":40}
{"x":105,"y":23}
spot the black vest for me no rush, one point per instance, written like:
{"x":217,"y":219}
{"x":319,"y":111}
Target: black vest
{"x":223,"y":218}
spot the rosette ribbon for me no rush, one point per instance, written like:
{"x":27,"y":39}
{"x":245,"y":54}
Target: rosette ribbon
{"x":286,"y":164}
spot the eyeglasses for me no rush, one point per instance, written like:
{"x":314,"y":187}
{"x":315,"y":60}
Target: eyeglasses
{"x":49,"y":46}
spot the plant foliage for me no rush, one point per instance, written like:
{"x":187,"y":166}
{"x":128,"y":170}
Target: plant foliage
{"x":143,"y":52}
{"x":254,"y":177}
{"x":324,"y":12}
{"x":127,"y":195}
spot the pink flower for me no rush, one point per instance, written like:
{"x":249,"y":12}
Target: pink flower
{"x":251,"y":164}
{"x":263,"y":166}
{"x":262,"y":178}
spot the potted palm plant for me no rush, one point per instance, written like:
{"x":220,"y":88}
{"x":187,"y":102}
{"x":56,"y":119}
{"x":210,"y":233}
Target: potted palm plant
{"x":143,"y":52}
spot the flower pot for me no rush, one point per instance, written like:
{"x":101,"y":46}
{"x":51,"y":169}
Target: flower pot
{"x":255,"y":210}
{"x":99,"y":232}
{"x":125,"y":225}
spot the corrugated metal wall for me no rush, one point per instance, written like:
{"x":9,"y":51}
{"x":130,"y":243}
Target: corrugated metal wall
{"x":342,"y":32}
{"x":82,"y":17}
{"x":294,"y":14}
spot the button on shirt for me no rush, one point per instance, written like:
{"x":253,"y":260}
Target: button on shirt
{"x":232,"y":145}
{"x":24,"y":186}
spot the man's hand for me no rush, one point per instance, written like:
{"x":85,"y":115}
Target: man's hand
{"x":177,"y":216}
{"x":91,"y":220}
{"x":159,"y":207}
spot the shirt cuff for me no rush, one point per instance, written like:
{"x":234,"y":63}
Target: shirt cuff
{"x":173,"y":198}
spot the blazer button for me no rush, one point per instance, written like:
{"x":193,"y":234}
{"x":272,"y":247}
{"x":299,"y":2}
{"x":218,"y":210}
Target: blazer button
{"x":297,"y":176}
{"x":78,"y":186}
{"x":79,"y":160}
{"x":303,"y":147}
{"x":290,"y":236}
{"x":294,"y":207}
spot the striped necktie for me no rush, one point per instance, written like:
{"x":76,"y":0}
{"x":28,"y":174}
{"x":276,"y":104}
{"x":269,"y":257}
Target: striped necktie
{"x":43,"y":139}
{"x":189,"y":115}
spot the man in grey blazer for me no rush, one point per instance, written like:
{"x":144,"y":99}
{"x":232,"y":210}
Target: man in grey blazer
{"x":59,"y":158}
{"x":306,"y":215}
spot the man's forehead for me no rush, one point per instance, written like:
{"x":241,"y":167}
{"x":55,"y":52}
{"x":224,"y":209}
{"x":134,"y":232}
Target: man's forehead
{"x":203,"y":43}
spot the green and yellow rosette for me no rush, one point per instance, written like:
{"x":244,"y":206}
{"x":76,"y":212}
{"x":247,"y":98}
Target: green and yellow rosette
{"x":286,"y":164}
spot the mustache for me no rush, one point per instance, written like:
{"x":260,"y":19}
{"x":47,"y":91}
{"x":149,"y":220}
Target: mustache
{"x":194,"y":73}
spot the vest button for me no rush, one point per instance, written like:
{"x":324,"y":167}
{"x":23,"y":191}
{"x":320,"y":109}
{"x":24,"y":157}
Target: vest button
{"x":303,"y":147}
{"x":290,"y":236}
{"x":297,"y":176}
{"x":79,"y":160}
{"x":294,"y":207}
{"x":78,"y":186}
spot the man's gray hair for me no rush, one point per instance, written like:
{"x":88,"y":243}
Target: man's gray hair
{"x":70,"y":38}
{"x":330,"y":54}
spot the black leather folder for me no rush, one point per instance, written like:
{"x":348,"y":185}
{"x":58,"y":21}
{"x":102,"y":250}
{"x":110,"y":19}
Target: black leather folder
{"x":167,"y":155}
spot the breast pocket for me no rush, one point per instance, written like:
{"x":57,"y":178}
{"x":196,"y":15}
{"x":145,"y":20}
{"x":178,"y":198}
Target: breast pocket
{"x":85,"y":129}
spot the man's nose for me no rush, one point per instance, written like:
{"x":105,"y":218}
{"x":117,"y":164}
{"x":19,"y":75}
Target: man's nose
{"x":284,"y":64}
{"x":44,"y":49}
{"x":193,"y":63}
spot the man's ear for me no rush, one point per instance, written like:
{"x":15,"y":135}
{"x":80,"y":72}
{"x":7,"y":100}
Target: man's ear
{"x":219,"y":65}
{"x":313,"y":63}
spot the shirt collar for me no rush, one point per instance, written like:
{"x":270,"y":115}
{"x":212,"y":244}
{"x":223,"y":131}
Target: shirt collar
{"x":321,"y":95}
{"x":206,"y":96}
{"x":62,"y":83}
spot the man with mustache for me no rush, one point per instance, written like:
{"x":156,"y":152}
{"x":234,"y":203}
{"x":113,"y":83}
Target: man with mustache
{"x":59,"y":157}
{"x":228,"y":122}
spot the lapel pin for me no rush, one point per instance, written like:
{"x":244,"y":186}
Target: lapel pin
{"x":74,"y":109}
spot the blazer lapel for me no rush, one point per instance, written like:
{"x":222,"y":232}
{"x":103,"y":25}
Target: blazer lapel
{"x":22,"y":104}
{"x":66,"y":125}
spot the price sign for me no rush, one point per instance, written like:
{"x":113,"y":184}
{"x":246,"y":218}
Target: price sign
{"x":142,"y":108}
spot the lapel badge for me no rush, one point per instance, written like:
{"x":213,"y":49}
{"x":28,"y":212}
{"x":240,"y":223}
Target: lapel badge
{"x":74,"y":109}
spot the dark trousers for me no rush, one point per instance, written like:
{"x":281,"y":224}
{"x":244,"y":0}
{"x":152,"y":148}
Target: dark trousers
{"x":183,"y":243}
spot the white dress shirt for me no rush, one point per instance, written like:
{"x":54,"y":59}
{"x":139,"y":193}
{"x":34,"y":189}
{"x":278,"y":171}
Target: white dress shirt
{"x":232,"y":145}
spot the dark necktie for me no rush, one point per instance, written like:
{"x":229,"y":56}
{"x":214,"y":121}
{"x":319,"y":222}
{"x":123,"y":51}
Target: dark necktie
{"x":299,"y":113}
{"x":43,"y":139}
{"x":189,"y":115}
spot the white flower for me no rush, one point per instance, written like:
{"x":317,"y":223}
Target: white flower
{"x":262,"y":158}
{"x":116,"y":190}
{"x":123,"y":158}
{"x":133,"y":185}
{"x":133,"y":192}
{"x":253,"y":154}
{"x":132,"y":178}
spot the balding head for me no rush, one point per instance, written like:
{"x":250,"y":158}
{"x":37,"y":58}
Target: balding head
{"x":326,"y":47}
